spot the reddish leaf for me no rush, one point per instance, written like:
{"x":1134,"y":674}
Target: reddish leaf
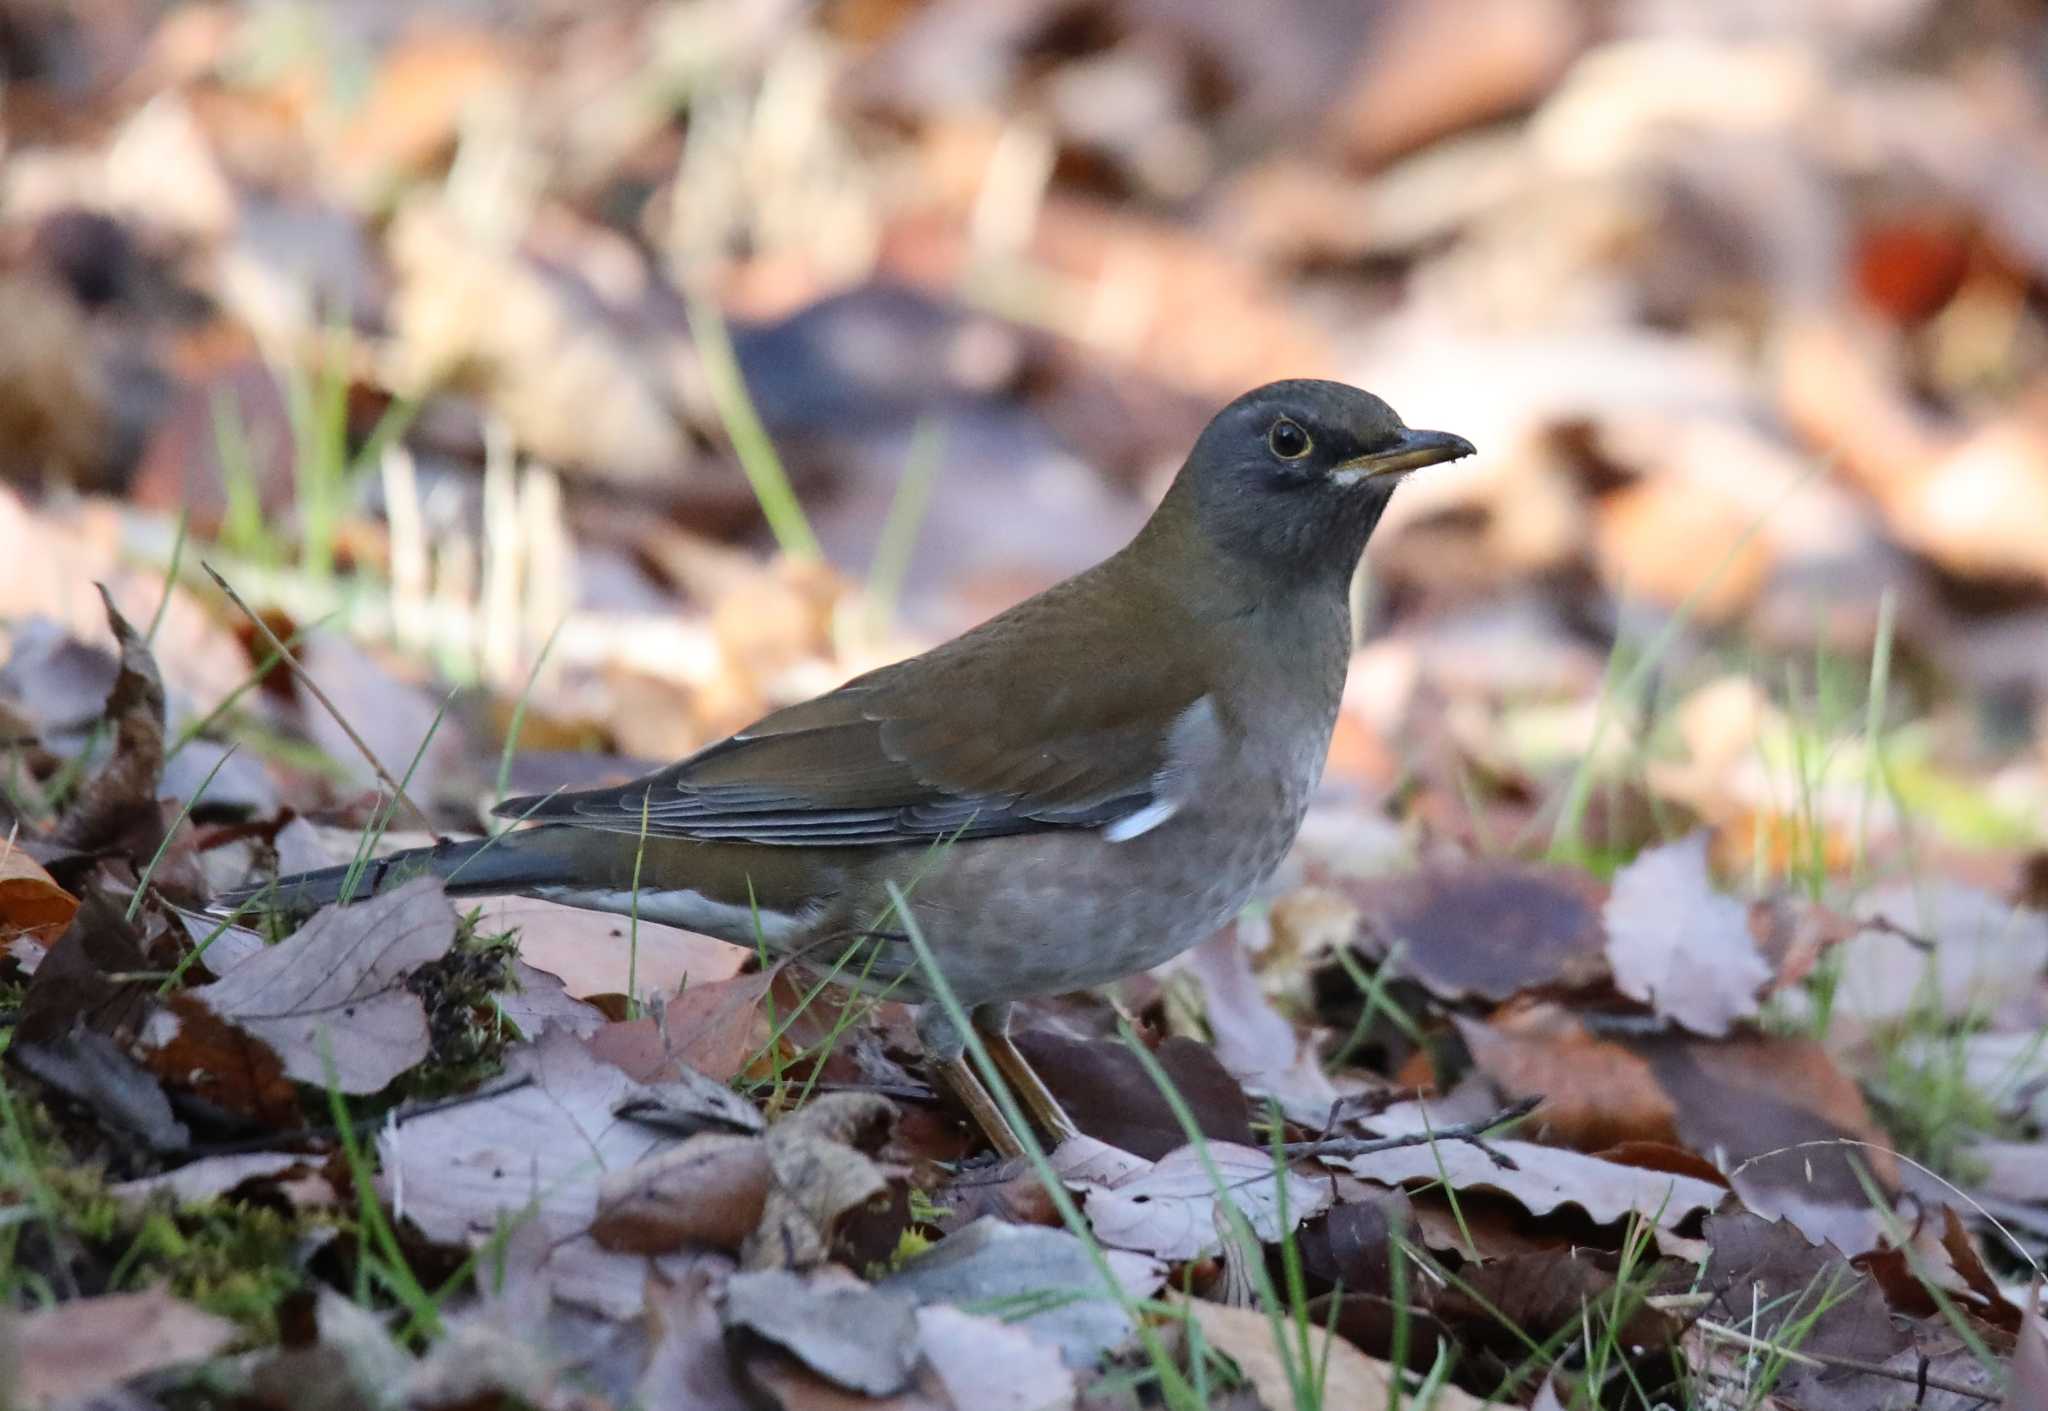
{"x":711,"y":1028}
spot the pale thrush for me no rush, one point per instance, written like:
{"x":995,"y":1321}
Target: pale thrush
{"x":1076,"y":790}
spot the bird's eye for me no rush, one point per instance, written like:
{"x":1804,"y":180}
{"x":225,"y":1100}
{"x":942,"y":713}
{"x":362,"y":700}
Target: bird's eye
{"x":1287,"y":440}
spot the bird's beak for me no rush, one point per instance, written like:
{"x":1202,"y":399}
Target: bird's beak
{"x":1413,"y":451}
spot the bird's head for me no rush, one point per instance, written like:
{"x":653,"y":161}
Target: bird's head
{"x":1293,"y":476}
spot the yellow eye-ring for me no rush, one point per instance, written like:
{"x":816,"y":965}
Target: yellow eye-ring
{"x":1288,"y":441}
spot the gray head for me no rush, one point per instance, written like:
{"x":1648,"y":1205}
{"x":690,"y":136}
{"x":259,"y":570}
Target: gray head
{"x":1291,"y":477}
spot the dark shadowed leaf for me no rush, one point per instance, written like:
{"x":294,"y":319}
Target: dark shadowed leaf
{"x":92,"y":1070}
{"x":1109,"y":1095}
{"x":1768,"y":1282}
{"x":1487,"y":930}
{"x":119,"y":799}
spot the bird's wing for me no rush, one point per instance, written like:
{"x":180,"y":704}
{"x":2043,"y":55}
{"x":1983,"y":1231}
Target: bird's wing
{"x":1028,"y":723}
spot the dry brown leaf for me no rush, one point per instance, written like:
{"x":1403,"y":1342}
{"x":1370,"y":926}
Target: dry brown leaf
{"x":819,"y":1174}
{"x":1169,"y":1209}
{"x":188,"y":1046}
{"x":86,"y":1346}
{"x":1770,"y":1283}
{"x":710,"y":1190}
{"x":330,"y":1000}
{"x":1488,"y":929}
{"x":711,"y":1028}
{"x":1680,"y":946}
{"x":119,"y":800}
{"x":1595,"y":1091}
{"x":30,"y":899}
{"x":1349,"y":1377}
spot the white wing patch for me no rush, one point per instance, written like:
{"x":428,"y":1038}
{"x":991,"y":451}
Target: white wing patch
{"x":1132,"y":825}
{"x":1194,"y":744}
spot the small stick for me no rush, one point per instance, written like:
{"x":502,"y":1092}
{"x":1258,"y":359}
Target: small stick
{"x":313,"y":688}
{"x":1471,"y":1133}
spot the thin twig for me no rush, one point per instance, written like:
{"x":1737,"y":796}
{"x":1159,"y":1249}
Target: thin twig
{"x":1826,"y":1360}
{"x":313,"y":688}
{"x":1471,"y":1133}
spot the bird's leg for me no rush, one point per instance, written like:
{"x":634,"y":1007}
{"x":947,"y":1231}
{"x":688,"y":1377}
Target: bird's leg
{"x":993,"y":1021}
{"x":946,"y":1051}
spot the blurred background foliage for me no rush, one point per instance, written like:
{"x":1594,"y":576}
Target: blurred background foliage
{"x":635,"y":367}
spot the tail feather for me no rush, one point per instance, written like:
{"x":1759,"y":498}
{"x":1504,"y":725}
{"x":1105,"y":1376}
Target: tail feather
{"x":470,"y":867}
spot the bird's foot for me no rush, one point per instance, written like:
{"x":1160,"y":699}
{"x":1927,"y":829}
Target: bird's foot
{"x":945,"y":1047}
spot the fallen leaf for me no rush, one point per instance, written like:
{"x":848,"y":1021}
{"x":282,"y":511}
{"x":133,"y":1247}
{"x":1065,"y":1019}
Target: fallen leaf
{"x":1108,"y":1093}
{"x":208,"y":1178}
{"x":857,"y":1336}
{"x":1169,"y":1210}
{"x":991,"y":1364}
{"x":1047,"y":1273}
{"x":1487,"y":930}
{"x":710,"y":1190}
{"x":72,"y":984}
{"x":30,"y":899}
{"x":2029,"y":1368}
{"x":1253,"y":1040}
{"x":2014,"y":1170}
{"x":194,"y":1050}
{"x":711,"y":1028}
{"x":1595,"y":1091}
{"x":1769,"y":1282}
{"x":1680,"y":946}
{"x":119,"y":799}
{"x":97,"y":1073}
{"x":1546,"y":1179}
{"x":541,"y":999}
{"x":1978,"y":951}
{"x":819,"y":1175}
{"x":86,"y":1346}
{"x":598,"y":953}
{"x":533,"y":1152}
{"x":687,"y":1368}
{"x":1348,"y":1377}
{"x":331,"y":1000}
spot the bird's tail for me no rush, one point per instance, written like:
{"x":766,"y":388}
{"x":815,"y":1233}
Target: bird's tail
{"x":510,"y":862}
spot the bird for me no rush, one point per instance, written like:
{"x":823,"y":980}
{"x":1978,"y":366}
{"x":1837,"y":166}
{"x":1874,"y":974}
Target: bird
{"x":1079,"y":789}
